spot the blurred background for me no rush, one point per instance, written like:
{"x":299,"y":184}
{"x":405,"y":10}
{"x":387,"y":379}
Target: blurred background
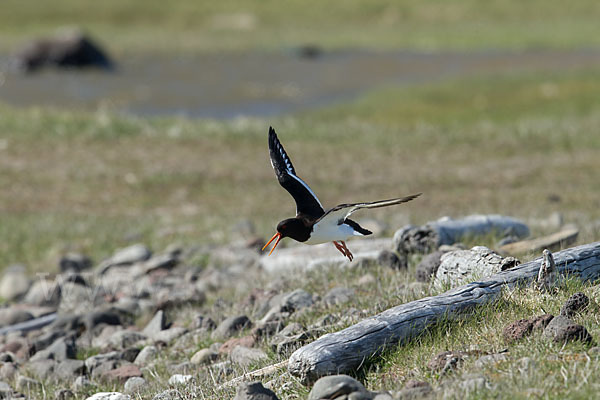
{"x":129,"y":121}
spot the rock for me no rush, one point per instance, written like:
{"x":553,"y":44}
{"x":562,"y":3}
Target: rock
{"x":135,"y":384}
{"x":130,"y":354}
{"x":109,"y":396}
{"x":69,"y":48}
{"x":93,"y":362}
{"x":296,"y":300}
{"x":78,"y":299}
{"x":19,"y":348}
{"x":11,"y":316}
{"x":490,"y":359}
{"x":60,"y":350}
{"x":204,"y":323}
{"x":574,"y":304}
{"x":230,"y":326}
{"x":246,"y":357}
{"x":125,"y":338}
{"x":98,"y":317}
{"x":562,"y":329}
{"x":414,"y":390}
{"x":334,"y":386}
{"x":147,"y":355}
{"x":204,"y":357}
{"x":462,"y":266}
{"x":82,"y":383}
{"x":168,"y":335}
{"x":64,"y":394}
{"x":126,"y":256}
{"x":5,"y":390}
{"x":161,"y":261}
{"x":253,"y":391}
{"x":542,"y":321}
{"x":8,"y":370}
{"x":517,"y":330}
{"x":27,"y":385}
{"x":245,"y":341}
{"x":473,"y":382}
{"x":68,"y":369}
{"x":428,"y":266}
{"x":442,"y":360}
{"x":42,"y":369}
{"x":170,"y":394}
{"x":14,"y":283}
{"x":74,"y":262}
{"x":179,"y":379}
{"x":123,"y":373}
{"x":289,"y":337}
{"x":157,"y":324}
{"x":338,"y":295}
{"x":43,"y":293}
{"x":391,"y":260}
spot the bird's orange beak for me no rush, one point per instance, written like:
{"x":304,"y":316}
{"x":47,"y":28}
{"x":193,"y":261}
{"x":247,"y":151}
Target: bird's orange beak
{"x":278,"y":236}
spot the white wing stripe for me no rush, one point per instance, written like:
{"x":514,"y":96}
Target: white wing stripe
{"x":307,"y":188}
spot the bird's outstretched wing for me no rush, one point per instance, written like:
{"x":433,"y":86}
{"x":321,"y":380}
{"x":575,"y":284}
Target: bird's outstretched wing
{"x":343,"y":211}
{"x":307,"y":202}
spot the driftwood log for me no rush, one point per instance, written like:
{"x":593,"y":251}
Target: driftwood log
{"x":552,"y":242}
{"x":346,"y":350}
{"x":428,"y":237}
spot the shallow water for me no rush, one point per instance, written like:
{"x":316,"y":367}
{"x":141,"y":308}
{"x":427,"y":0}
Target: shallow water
{"x":260,"y":84}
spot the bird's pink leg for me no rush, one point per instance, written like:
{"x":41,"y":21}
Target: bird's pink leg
{"x":343,"y":249}
{"x":348,"y":253}
{"x":340,"y":248}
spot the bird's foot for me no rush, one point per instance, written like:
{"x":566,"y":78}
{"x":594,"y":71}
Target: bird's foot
{"x":347,"y":250}
{"x":343,"y":249}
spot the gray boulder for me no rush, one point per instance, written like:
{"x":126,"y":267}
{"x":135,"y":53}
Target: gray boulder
{"x":14,"y":283}
{"x":334,"y":386}
{"x":230,"y":326}
{"x":254,"y":391}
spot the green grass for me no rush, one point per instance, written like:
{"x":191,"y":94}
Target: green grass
{"x":97,"y":181}
{"x":126,"y":26}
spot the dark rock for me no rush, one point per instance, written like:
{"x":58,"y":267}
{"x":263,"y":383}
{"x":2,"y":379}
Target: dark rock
{"x":391,"y":260}
{"x":161,"y":261}
{"x":61,"y":349}
{"x":93,"y":362}
{"x":574,"y":304}
{"x":335,"y":386}
{"x":517,"y":330}
{"x":289,"y":337}
{"x":64,"y":394}
{"x":230,"y":326}
{"x":542,"y":321}
{"x":95,"y":318}
{"x":416,"y":239}
{"x":73,"y":277}
{"x":338,"y":295}
{"x":130,"y":354}
{"x":69,"y":369}
{"x":74,"y":262}
{"x":123,"y":373}
{"x":71,"y":49}
{"x":309,"y":51}
{"x":46,"y":339}
{"x":296,"y":300}
{"x":254,"y":391}
{"x":562,"y":329}
{"x":428,"y":266}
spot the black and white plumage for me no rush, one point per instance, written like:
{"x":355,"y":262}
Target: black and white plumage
{"x":312,"y":224}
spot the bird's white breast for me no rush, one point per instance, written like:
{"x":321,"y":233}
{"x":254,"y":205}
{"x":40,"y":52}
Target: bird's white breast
{"x":324,"y":232}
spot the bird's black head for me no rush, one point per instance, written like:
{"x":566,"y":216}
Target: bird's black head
{"x":294,"y":228}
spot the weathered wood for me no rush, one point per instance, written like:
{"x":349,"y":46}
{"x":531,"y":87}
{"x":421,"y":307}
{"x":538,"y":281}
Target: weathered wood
{"x":423,"y":239}
{"x":552,"y":242}
{"x":346,"y":350}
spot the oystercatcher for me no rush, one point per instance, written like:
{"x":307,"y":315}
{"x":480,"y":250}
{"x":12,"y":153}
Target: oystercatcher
{"x":312,"y":224}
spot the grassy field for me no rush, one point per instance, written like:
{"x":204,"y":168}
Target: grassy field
{"x":126,"y":26}
{"x":522,"y":145}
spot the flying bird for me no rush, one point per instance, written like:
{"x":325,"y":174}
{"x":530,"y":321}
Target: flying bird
{"x":312,"y":224}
